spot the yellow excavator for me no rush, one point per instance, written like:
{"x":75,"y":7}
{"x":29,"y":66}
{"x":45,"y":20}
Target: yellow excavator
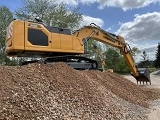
{"x":55,"y":44}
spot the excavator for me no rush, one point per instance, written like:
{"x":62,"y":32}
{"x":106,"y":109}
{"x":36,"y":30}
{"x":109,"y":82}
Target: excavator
{"x":55,"y":44}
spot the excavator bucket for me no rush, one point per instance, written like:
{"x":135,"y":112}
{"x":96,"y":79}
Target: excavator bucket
{"x":144,"y":76}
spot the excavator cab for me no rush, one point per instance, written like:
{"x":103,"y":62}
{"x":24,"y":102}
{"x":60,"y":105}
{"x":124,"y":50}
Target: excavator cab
{"x":143,"y":75}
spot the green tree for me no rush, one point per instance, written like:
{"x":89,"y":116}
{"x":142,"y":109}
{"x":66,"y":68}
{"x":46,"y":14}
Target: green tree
{"x":95,"y":48}
{"x":6,"y":17}
{"x":157,"y":60}
{"x":147,"y":63}
{"x":89,"y":46}
{"x":49,"y":12}
{"x":115,"y":61}
{"x":135,"y":51}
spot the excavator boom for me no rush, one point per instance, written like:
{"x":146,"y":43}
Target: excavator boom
{"x":94,"y":32}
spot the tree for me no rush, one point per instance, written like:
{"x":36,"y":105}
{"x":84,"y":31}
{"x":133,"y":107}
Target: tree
{"x":5,"y":18}
{"x":49,"y":12}
{"x":145,"y":60}
{"x":115,"y":61}
{"x":144,"y":56}
{"x":135,"y":51}
{"x":157,"y":60}
{"x":89,"y":46}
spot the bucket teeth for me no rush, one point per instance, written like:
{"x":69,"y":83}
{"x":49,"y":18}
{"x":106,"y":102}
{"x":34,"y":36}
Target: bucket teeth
{"x":143,"y":76}
{"x":144,"y":82}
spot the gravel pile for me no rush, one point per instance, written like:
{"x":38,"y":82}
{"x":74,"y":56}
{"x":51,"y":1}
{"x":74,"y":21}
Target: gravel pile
{"x":56,"y":92}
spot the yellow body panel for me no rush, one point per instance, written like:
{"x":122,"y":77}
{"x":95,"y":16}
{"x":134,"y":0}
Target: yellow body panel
{"x":19,"y":41}
{"x":13,"y":35}
{"x":56,"y":43}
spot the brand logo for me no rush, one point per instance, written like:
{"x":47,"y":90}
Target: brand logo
{"x":34,"y":25}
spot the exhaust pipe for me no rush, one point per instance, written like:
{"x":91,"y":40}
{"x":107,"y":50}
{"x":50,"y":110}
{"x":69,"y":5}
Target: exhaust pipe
{"x":143,"y":76}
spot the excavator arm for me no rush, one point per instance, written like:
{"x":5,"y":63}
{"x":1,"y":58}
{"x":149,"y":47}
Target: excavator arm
{"x":94,"y":32}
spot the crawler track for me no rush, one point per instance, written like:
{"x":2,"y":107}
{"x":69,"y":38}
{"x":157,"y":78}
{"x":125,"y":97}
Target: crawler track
{"x":77,"y":62}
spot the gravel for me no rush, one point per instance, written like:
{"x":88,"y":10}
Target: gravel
{"x":57,"y":91}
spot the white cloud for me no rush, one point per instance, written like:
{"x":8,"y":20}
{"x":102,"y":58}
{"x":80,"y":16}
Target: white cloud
{"x":124,"y":4}
{"x":88,"y":1}
{"x":68,"y":2}
{"x":88,"y":20}
{"x":143,"y":27}
{"x":109,"y":29}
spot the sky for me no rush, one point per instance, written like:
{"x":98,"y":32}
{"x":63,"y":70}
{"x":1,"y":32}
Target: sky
{"x":138,"y":21}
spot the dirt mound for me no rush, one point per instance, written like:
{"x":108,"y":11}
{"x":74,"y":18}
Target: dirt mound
{"x":59,"y":92}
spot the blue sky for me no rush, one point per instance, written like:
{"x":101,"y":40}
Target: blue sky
{"x":138,"y":21}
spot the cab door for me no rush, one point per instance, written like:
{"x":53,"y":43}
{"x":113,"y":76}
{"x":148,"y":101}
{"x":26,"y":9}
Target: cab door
{"x":38,"y":37}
